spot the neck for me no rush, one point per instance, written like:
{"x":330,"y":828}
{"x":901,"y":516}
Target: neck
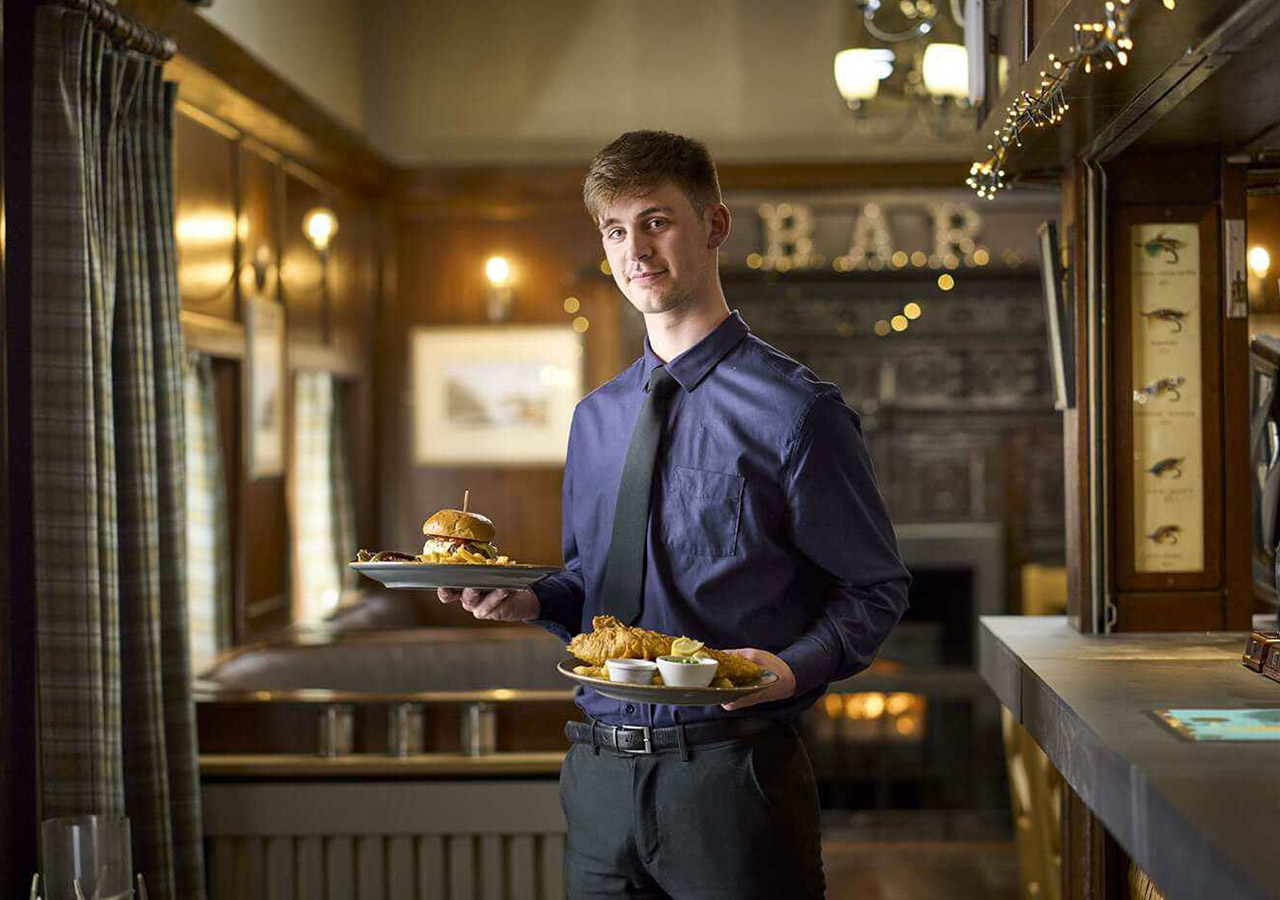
{"x":675,"y":331}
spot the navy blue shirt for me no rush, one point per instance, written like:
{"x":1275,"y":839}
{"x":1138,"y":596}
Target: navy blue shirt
{"x":766,"y":528}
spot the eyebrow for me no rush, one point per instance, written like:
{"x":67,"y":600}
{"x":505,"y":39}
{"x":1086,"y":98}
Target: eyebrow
{"x":640,"y":215}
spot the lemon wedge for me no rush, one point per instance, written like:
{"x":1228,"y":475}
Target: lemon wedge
{"x":686,"y":646}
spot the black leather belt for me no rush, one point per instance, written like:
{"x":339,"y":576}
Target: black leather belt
{"x":643,"y":739}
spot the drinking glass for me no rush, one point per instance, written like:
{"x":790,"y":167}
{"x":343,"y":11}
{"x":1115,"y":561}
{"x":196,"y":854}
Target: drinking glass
{"x":91,"y":852}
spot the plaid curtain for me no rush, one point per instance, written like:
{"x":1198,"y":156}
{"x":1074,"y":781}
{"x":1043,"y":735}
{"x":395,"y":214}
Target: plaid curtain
{"x":319,"y":581}
{"x":208,"y":545}
{"x":344,"y":511}
{"x":116,"y":720}
{"x":324,"y":511}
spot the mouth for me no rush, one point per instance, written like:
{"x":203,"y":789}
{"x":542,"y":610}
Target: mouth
{"x":647,"y":277}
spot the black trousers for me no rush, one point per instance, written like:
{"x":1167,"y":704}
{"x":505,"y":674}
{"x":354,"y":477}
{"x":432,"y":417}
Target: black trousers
{"x":739,"y":819}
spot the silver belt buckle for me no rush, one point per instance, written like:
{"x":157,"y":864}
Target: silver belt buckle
{"x":645,"y":729}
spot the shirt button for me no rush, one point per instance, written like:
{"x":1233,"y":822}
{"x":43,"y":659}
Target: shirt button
{"x":630,"y":708}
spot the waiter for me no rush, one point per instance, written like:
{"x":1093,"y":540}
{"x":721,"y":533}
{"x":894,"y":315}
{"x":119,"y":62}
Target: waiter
{"x":719,"y":489}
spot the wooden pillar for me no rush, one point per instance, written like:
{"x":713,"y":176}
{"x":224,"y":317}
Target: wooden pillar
{"x":1155,"y":545}
{"x":1094,"y":867}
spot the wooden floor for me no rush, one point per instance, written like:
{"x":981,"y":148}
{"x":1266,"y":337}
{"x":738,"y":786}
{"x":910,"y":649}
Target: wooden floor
{"x":909,"y":870}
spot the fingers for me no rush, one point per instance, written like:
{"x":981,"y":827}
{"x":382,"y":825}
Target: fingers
{"x":770,"y":693}
{"x":481,"y":604}
{"x":471,"y":598}
{"x":490,"y":606}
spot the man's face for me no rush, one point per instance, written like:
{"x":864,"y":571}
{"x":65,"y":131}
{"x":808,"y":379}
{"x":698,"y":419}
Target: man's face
{"x":658,"y":247}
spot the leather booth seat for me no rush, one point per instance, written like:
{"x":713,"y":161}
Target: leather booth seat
{"x":398,"y":661}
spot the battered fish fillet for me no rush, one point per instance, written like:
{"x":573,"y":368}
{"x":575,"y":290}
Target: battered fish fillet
{"x":610,"y":639}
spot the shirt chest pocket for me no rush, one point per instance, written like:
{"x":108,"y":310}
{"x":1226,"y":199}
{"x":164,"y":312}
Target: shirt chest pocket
{"x":703,"y":511}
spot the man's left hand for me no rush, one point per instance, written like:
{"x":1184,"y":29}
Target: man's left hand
{"x":781,"y":689}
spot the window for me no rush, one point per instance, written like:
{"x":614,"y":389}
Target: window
{"x":209,"y":588}
{"x":323,"y":521}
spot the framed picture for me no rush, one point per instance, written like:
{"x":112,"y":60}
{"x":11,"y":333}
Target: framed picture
{"x":1058,"y":319}
{"x":265,"y":339}
{"x":494,"y":395}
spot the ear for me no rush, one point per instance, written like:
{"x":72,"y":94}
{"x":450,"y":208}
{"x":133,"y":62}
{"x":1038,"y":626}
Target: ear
{"x":721,"y":223}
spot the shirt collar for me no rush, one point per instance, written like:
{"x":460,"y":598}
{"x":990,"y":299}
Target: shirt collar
{"x":694,"y":364}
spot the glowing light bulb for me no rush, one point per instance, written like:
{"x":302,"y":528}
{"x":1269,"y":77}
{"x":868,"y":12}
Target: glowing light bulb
{"x":1259,"y":261}
{"x":497,"y":270}
{"x":320,"y":225}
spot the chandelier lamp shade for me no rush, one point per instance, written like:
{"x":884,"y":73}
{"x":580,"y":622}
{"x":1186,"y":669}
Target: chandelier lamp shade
{"x":946,"y":72}
{"x":859,"y":71}
{"x":901,"y":66}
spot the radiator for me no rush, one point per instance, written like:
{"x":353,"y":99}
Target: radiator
{"x":473,"y":840}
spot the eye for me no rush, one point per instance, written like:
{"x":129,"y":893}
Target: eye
{"x":655,"y":224}
{"x":613,"y":234}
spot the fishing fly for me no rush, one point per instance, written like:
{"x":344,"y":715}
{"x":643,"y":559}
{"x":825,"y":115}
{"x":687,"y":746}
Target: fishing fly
{"x":1171,"y":465}
{"x":1162,"y":243}
{"x":1173,"y":316}
{"x":1163,"y":386}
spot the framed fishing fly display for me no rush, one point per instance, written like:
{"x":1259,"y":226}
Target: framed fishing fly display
{"x":1167,"y":360}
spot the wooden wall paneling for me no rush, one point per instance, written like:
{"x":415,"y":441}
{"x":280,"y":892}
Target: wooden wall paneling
{"x":227,"y":390}
{"x":1161,"y":611}
{"x":205,"y":225}
{"x":1129,"y":582}
{"x":352,"y":271}
{"x":440,"y":281}
{"x":302,"y":274}
{"x":260,"y":221}
{"x":265,"y":540}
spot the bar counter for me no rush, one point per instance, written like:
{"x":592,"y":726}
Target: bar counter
{"x":1201,"y":818}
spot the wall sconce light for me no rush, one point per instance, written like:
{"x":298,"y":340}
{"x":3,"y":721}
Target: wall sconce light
{"x":501,"y":295}
{"x":320,"y":225}
{"x":1259,"y":261}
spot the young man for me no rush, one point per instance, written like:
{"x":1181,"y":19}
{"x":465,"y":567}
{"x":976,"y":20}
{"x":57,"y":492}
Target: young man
{"x":718,"y":489}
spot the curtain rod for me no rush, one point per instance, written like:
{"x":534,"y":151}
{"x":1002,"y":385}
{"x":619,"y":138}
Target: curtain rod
{"x":121,"y":29}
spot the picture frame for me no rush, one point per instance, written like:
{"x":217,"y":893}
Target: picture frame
{"x":1057,"y":317}
{"x":496,"y":395}
{"x":265,"y":387}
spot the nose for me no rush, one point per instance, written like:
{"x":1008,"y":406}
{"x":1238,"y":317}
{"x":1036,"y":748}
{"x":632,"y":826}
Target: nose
{"x":638,"y":246}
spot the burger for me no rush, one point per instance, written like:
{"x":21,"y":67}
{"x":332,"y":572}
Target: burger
{"x":452,"y":529}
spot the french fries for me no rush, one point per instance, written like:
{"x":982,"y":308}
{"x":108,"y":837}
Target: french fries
{"x":464,"y":556}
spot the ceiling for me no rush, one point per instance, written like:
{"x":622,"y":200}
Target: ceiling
{"x":439,"y":82}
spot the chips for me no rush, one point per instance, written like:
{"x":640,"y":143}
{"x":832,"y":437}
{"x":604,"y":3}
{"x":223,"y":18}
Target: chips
{"x":463,"y":556}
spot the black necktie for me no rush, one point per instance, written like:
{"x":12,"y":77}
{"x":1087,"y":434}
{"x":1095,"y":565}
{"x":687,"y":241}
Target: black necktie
{"x":624,"y":570}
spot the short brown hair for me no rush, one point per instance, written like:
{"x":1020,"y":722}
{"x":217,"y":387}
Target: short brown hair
{"x":641,"y":160}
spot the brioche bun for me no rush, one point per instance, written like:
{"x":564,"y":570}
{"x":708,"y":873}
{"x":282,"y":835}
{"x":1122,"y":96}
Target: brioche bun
{"x":459,"y":526}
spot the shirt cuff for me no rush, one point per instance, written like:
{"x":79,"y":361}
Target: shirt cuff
{"x":560,"y":601}
{"x":811,"y":662}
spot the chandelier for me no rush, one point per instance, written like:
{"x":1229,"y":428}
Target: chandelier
{"x":926,"y":74}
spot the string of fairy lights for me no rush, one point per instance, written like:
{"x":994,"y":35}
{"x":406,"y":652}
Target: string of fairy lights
{"x":1095,"y":45}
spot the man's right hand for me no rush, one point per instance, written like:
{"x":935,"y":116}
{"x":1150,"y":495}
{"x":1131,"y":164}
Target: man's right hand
{"x":502,"y":605}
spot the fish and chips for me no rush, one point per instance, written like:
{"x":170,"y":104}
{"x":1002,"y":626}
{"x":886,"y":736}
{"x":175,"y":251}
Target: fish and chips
{"x":610,"y":639}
